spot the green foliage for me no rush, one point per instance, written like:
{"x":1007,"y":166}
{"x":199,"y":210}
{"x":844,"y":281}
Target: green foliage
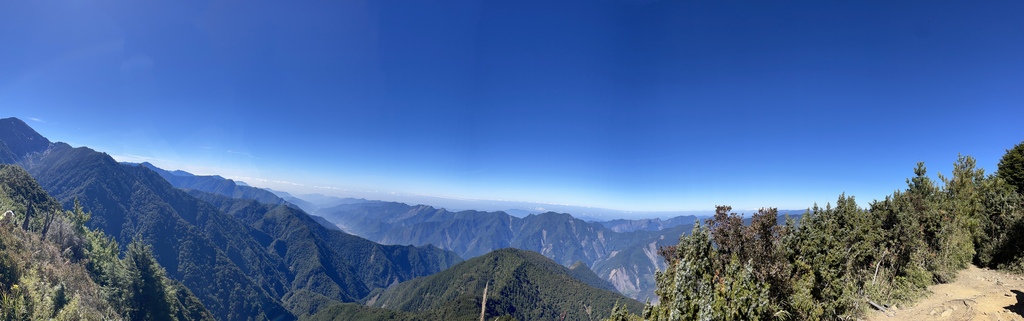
{"x":836,"y":258}
{"x":959,"y":210}
{"x":73,"y":272}
{"x":580,"y":271}
{"x":39,"y":282}
{"x":34,"y":208}
{"x":1002,"y":224}
{"x":890,"y":252}
{"x":150,"y":295}
{"x":700,"y":285}
{"x":902,"y":252}
{"x":521,"y":284}
{"x":1011,"y":167}
{"x":621,"y":313}
{"x":832,"y":249}
{"x":758,"y":243}
{"x":356,"y":312}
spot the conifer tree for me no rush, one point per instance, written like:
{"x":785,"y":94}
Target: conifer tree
{"x":151,"y":298}
{"x":1011,"y":167}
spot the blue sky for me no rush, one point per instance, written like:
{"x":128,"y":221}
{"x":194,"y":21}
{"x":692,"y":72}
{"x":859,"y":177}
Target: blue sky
{"x":624,"y":104}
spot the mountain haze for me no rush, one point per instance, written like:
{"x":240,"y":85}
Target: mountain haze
{"x":215,"y":184}
{"x":649,"y":224}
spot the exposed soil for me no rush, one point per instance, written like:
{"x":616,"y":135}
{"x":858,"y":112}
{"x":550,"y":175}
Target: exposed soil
{"x":977,"y":294}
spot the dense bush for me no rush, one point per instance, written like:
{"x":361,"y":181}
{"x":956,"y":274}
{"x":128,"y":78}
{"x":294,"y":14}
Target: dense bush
{"x":704,"y":283}
{"x":53,"y":267}
{"x":1011,"y":167}
{"x":837,"y":259}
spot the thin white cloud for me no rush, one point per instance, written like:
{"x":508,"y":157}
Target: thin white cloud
{"x":287,"y":183}
{"x":240,"y":153}
{"x":331,"y":188}
{"x":135,"y":158}
{"x":263,"y":180}
{"x":38,"y":120}
{"x":248,"y":179}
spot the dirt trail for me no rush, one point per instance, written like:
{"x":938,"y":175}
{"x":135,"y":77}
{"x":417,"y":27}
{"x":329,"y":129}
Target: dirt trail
{"x":977,"y":294}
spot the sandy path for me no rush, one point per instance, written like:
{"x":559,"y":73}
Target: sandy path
{"x":977,"y":294}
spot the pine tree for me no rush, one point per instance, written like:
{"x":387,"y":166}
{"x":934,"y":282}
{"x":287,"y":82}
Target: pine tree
{"x":1011,"y":167}
{"x":150,"y":297}
{"x":698,"y":286}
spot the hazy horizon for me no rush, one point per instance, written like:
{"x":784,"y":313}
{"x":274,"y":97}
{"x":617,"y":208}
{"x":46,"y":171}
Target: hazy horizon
{"x":515,"y":208}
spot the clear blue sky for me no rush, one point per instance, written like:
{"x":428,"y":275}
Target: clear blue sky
{"x":629,"y":104}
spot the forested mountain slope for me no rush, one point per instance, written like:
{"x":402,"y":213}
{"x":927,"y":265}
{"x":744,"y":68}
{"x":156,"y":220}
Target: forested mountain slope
{"x":310,"y":248}
{"x":521,"y":284}
{"x":204,"y":248}
{"x":236,"y":270}
{"x":53,"y":267}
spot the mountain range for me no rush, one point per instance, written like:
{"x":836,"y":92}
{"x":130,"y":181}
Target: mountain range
{"x":238,"y":271}
{"x":628,"y":259}
{"x":214,"y":184}
{"x":252,"y":254}
{"x":623,"y":252}
{"x":649,"y":224}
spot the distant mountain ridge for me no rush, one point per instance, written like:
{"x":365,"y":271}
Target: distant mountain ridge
{"x":314,"y":202}
{"x":219,"y":185}
{"x":650,"y":224}
{"x":215,"y":184}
